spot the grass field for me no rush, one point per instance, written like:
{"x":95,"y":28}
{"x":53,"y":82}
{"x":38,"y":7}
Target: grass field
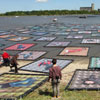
{"x":45,"y":93}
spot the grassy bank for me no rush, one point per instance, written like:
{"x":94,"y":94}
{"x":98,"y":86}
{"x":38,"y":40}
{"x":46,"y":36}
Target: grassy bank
{"x":49,"y":12}
{"x":45,"y":93}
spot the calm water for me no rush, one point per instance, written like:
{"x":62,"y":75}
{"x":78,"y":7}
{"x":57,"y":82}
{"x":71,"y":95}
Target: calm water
{"x":19,"y":22}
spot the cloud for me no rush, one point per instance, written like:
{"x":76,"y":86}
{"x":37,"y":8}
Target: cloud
{"x":41,"y":0}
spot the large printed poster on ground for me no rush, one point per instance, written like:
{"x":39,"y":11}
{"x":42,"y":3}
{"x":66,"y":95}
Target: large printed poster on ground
{"x":91,"y":41}
{"x":75,"y":51}
{"x":85,"y":79}
{"x":20,"y":46}
{"x":58,"y":44}
{"x":19,"y":38}
{"x":13,"y":86}
{"x":44,"y":64}
{"x":95,"y":63}
{"x":30,"y":55}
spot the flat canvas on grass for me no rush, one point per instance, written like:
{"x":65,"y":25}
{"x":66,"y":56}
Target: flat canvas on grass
{"x":85,"y":79}
{"x":91,"y":41}
{"x":46,"y":39}
{"x":22,"y":30}
{"x":39,"y":33}
{"x":20,"y":46}
{"x":86,"y":32}
{"x":30,"y":55}
{"x":98,"y":31}
{"x":75,"y":30}
{"x":75,"y":51}
{"x":95,"y":63}
{"x":62,"y":33}
{"x":44,"y":64}
{"x":19,"y":38}
{"x":4,"y":33}
{"x":58,"y":44}
{"x":1,"y":60}
{"x":74,"y":37}
{"x":7,"y":36}
{"x":1,"y":45}
{"x":26,"y":32}
{"x":13,"y":86}
{"x":95,"y":34}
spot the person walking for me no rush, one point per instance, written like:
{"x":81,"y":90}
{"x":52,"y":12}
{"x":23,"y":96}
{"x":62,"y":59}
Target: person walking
{"x":55,"y":76}
{"x":6,"y":58}
{"x":14,"y":63}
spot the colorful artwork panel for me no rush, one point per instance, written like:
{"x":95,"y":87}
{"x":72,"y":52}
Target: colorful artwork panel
{"x":1,"y":60}
{"x":75,"y":37}
{"x":39,"y":33}
{"x":62,"y":33}
{"x":75,"y":30}
{"x":30,"y":55}
{"x":98,"y":31}
{"x":13,"y":86}
{"x":1,"y":45}
{"x":22,"y":30}
{"x":75,"y":51}
{"x":58,"y":44}
{"x":91,"y":41}
{"x":7,"y":36}
{"x":68,"y":30}
{"x":95,"y":34}
{"x":4,"y":33}
{"x":26,"y":32}
{"x":85,"y":79}
{"x":44,"y":64}
{"x":20,"y":46}
{"x":19,"y":38}
{"x":46,"y":39}
{"x":95,"y":63}
{"x":86,"y":32}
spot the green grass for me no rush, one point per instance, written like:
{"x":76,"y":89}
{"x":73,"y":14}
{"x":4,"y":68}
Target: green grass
{"x":45,"y":93}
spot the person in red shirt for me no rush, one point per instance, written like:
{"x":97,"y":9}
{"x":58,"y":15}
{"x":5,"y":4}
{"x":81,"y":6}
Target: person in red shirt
{"x":6,"y":58}
{"x":55,"y":76}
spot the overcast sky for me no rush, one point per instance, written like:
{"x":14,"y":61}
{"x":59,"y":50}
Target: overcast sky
{"x":29,"y":5}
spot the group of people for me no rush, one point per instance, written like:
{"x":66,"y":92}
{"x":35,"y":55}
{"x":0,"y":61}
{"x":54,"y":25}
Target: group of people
{"x":54,"y":72}
{"x":8,"y":61}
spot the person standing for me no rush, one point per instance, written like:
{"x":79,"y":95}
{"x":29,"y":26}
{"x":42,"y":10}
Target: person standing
{"x":6,"y":58}
{"x":14,"y":63}
{"x":55,"y":76}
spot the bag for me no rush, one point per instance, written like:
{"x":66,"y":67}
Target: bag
{"x":57,"y":77}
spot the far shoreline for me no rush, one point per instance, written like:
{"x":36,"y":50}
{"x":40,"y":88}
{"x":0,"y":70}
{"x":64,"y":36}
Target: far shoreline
{"x":72,"y":15}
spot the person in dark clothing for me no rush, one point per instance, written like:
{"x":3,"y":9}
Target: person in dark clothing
{"x":55,"y":76}
{"x":6,"y":59}
{"x":14,"y":63}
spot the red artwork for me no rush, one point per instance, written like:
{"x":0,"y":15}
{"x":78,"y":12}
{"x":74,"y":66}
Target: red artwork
{"x":20,"y":46}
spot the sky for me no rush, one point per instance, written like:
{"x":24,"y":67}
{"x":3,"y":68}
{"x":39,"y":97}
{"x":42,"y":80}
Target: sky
{"x":29,"y":5}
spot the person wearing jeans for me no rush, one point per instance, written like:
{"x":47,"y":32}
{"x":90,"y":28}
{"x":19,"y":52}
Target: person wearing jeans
{"x":55,"y":76}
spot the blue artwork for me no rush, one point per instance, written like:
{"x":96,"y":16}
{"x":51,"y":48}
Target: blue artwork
{"x":27,"y":55}
{"x":20,"y":46}
{"x":27,"y":82}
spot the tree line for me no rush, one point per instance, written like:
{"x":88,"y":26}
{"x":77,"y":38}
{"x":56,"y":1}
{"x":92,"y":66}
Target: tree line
{"x":49,"y":12}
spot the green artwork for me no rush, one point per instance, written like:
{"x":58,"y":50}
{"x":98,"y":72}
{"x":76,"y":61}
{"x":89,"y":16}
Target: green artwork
{"x":95,"y":62}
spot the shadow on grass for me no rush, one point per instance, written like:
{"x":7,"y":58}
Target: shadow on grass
{"x":45,"y":92}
